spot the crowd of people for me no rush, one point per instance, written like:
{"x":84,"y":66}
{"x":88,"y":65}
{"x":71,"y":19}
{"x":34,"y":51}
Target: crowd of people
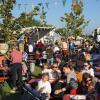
{"x":67,"y":68}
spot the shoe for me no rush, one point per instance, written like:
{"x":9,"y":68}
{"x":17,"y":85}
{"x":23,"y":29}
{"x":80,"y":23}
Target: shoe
{"x":13,"y":90}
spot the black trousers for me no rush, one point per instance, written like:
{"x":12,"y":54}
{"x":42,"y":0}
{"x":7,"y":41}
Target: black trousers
{"x":16,"y":70}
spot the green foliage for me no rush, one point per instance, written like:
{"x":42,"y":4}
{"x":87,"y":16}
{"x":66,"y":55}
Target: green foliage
{"x":10,"y":24}
{"x":77,"y":8}
{"x":42,"y":14}
{"x":37,"y":72}
{"x":5,"y":93}
{"x":27,"y":20}
{"x":36,"y":10}
{"x":74,"y":21}
{"x":61,"y":31}
{"x":6,"y":15}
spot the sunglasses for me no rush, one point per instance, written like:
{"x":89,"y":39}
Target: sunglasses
{"x":88,"y":80}
{"x":55,"y":67}
{"x":86,"y":65}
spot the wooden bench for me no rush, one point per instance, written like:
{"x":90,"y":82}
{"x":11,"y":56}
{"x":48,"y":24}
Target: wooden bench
{"x":2,"y":79}
{"x":4,"y":71}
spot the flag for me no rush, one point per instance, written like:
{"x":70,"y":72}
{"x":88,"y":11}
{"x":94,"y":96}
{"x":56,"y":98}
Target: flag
{"x":64,"y":2}
{"x":47,"y":4}
{"x":19,"y":6}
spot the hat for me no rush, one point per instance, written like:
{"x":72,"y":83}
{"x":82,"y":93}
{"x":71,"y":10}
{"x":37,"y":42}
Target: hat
{"x":73,"y":83}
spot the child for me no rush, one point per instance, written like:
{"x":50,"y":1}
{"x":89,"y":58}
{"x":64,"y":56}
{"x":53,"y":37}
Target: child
{"x":44,"y":85}
{"x":45,"y":68}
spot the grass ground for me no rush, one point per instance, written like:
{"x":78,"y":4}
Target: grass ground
{"x":37,"y":72}
{"x":5,"y":92}
{"x":5,"y":88}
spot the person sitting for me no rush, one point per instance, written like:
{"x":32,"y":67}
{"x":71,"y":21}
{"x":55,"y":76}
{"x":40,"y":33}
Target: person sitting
{"x":45,"y":68}
{"x":69,"y":72}
{"x":44,"y":85}
{"x":79,"y":74}
{"x":88,"y":69}
{"x":73,"y":86}
{"x":56,"y":86}
{"x":54,"y":71}
{"x":87,"y":55}
{"x":87,"y":79}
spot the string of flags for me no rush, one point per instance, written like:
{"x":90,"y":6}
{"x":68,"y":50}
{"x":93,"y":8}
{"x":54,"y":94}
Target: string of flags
{"x":46,"y":4}
{"x":31,"y":4}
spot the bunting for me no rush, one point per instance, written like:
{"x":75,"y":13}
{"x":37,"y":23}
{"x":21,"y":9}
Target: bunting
{"x":19,"y":6}
{"x":64,"y":2}
{"x":47,"y":4}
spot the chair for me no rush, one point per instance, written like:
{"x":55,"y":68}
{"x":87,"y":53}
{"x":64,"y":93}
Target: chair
{"x":2,"y":79}
{"x":3,"y":70}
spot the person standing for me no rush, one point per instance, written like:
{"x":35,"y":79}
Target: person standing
{"x":64,"y":47}
{"x":16,"y":69}
{"x":71,"y":46}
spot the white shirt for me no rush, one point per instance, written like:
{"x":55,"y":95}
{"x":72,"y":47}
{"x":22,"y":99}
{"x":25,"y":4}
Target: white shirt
{"x":30,"y":48}
{"x":56,"y":49}
{"x":44,"y":55}
{"x":49,"y":71}
{"x":90,"y":71}
{"x":46,"y":85}
{"x":53,"y":75}
{"x":46,"y":71}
